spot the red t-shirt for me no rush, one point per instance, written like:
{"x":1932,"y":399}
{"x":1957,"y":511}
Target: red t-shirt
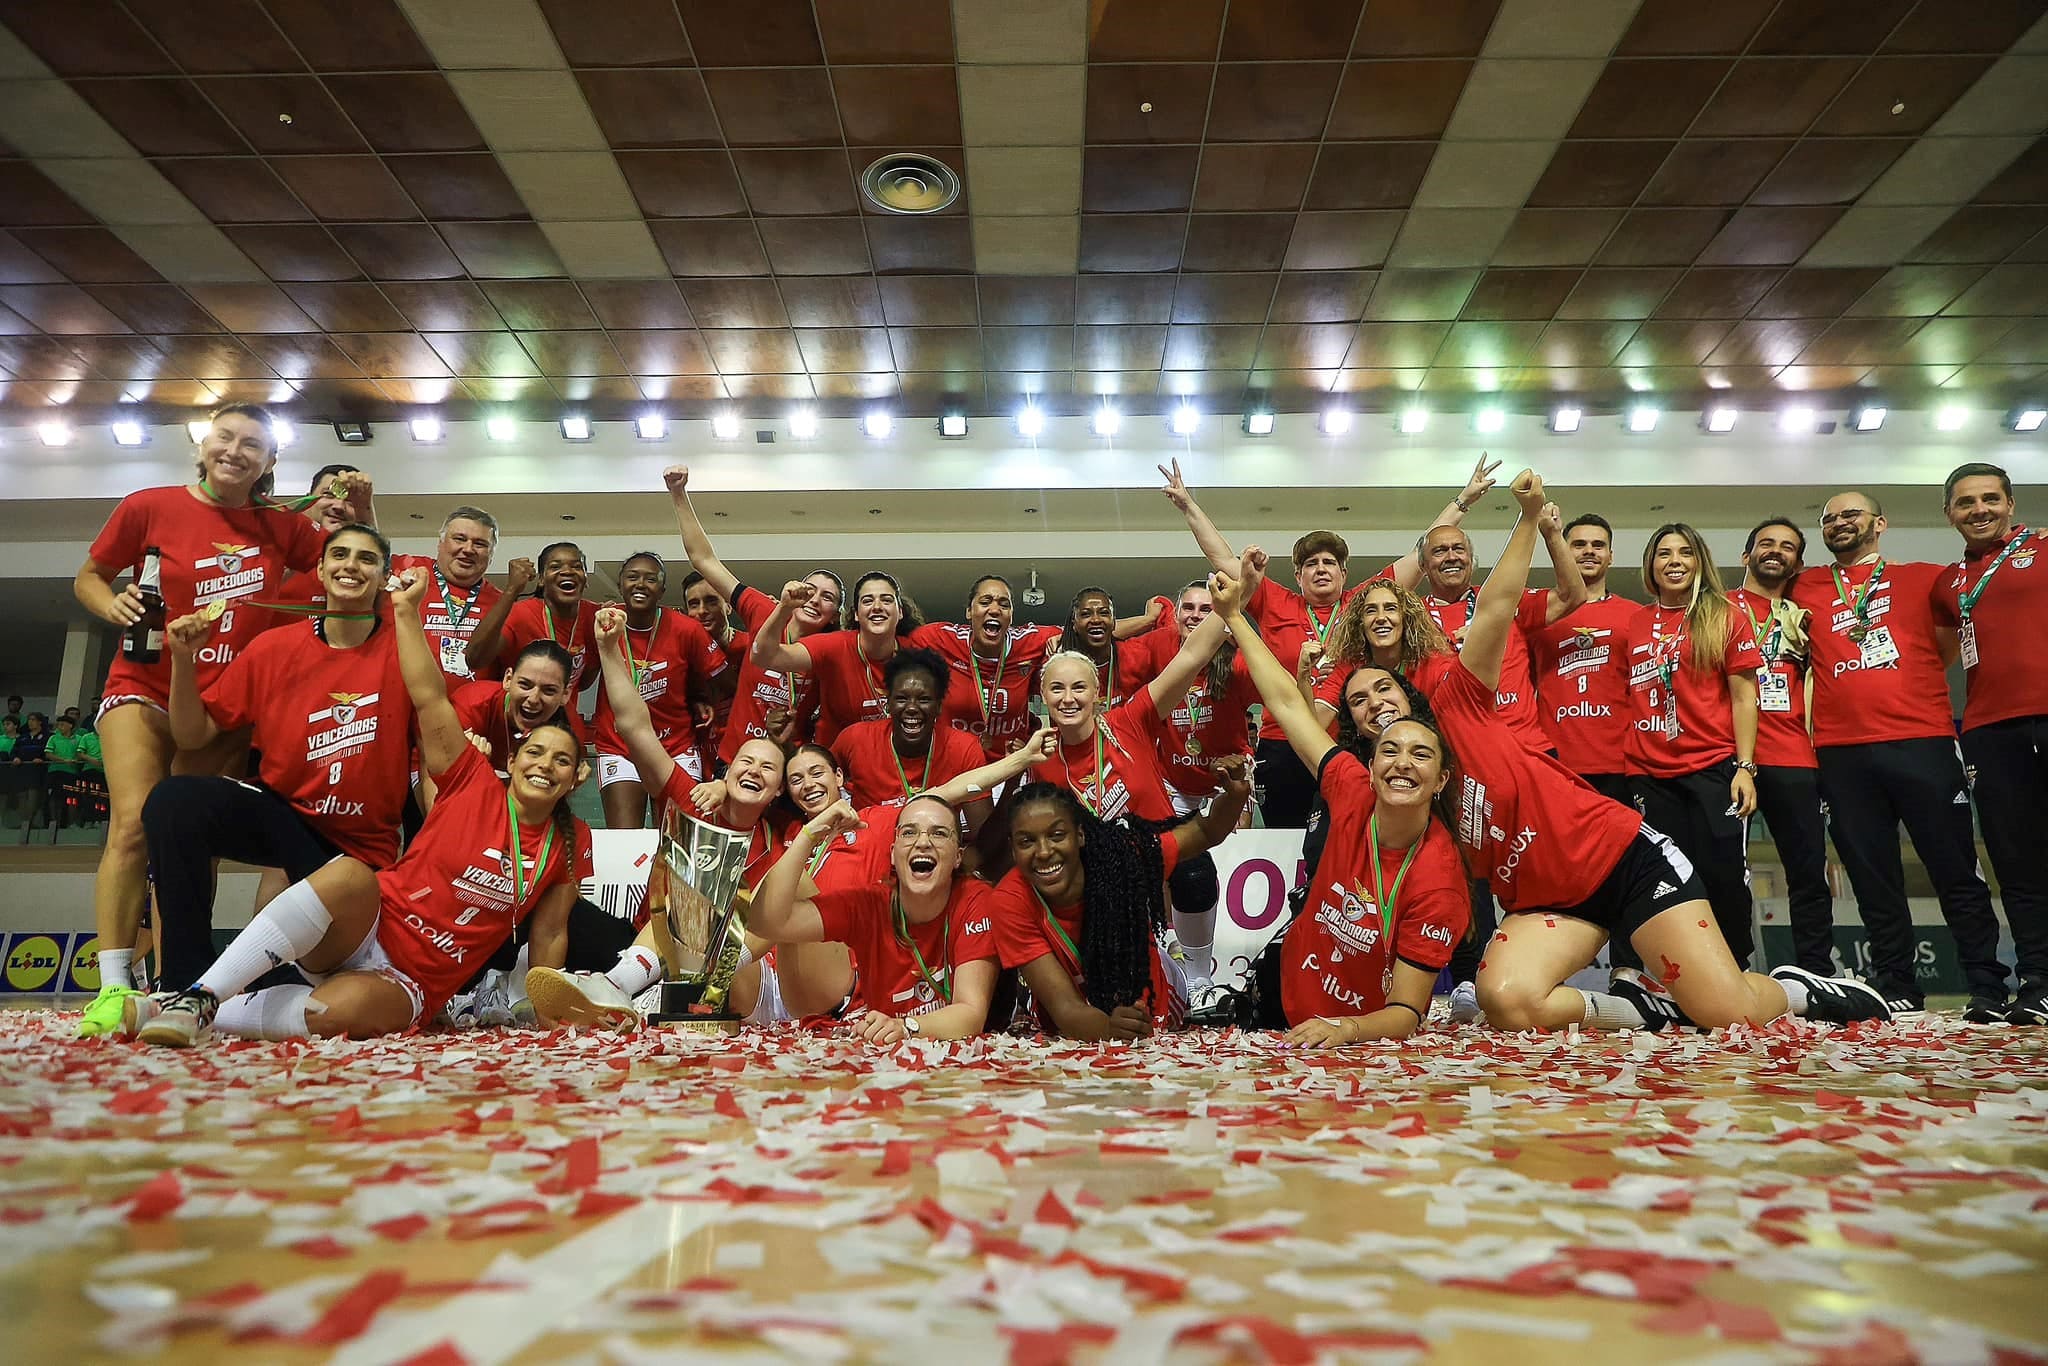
{"x":989,"y":700}
{"x":1581,"y":675}
{"x":334,"y":728}
{"x":480,"y":707}
{"x":711,"y":737}
{"x":858,"y":857}
{"x":1541,"y":837}
{"x":452,"y":900}
{"x":1286,"y":622}
{"x":1338,"y":957}
{"x":1203,"y":726}
{"x":2007,"y":630}
{"x":759,"y":688}
{"x":1860,"y":696}
{"x":532,"y":619}
{"x":1781,"y":739}
{"x":1514,"y":694}
{"x":450,"y":614}
{"x":210,"y":553}
{"x":891,"y":981}
{"x":850,"y":685}
{"x":1135,"y":781}
{"x":1023,"y":936}
{"x":876,"y":774}
{"x":1660,"y":645}
{"x":667,"y":657}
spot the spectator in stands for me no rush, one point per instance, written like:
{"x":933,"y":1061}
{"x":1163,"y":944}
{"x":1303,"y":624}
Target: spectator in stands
{"x":14,"y":705}
{"x":62,"y":755}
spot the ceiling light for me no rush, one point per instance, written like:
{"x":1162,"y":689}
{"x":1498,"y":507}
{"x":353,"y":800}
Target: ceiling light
{"x":1796,"y":420}
{"x":1107,"y":419}
{"x":1489,"y":420}
{"x":1030,"y":420}
{"x":725,"y":426}
{"x":803,"y":423}
{"x":1335,"y":421}
{"x":1186,"y":418}
{"x":953,"y":426}
{"x":352,"y":433}
{"x":54,"y":433}
{"x":651,"y":427}
{"x":130,"y":434}
{"x":878,"y":424}
{"x":1566,"y":419}
{"x":1643,"y":419}
{"x":1719,"y":419}
{"x":2028,"y":419}
{"x":283,"y":432}
{"x":1951,"y":418}
{"x":426,"y":430}
{"x":1258,"y":424}
{"x":575,"y":428}
{"x":501,"y":428}
{"x":1414,"y":420}
{"x":1869,"y":419}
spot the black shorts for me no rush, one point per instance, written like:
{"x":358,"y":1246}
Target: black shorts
{"x":1649,"y":879}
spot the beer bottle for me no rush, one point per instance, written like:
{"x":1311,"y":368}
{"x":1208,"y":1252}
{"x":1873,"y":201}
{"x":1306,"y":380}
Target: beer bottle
{"x":144,"y":642}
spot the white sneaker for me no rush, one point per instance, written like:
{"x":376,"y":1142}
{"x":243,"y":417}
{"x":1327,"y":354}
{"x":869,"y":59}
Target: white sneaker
{"x":1464,"y":1003}
{"x":579,"y":998}
{"x":490,"y":1006}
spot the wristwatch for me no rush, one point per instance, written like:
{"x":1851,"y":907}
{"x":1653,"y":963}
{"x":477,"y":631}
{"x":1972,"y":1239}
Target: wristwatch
{"x":1747,"y":766}
{"x":910,"y":1025}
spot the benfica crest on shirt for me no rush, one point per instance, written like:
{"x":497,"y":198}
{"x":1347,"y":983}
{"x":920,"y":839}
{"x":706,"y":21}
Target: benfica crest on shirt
{"x":344,"y":706}
{"x":230,"y":559}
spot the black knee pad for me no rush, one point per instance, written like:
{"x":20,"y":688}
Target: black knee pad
{"x":1194,"y":886}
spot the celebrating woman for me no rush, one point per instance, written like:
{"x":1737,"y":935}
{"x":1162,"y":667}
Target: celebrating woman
{"x":501,"y":712}
{"x":999,"y":658}
{"x":386,"y":950}
{"x":890,"y":761}
{"x":559,"y":614}
{"x":218,"y":540}
{"x":1692,"y":691}
{"x":670,"y":663}
{"x":848,"y":665}
{"x":1094,"y":630}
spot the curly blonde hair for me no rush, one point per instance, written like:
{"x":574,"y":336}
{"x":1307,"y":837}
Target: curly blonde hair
{"x":1421,"y":637}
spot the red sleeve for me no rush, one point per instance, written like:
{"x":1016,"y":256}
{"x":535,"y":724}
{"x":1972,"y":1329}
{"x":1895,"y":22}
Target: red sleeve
{"x":701,"y":658}
{"x":973,"y":923}
{"x":1345,"y":782}
{"x":469,"y":769}
{"x":1168,"y":608}
{"x":1267,"y":601}
{"x":1386,"y":574}
{"x":752,"y":606}
{"x":1330,"y":687}
{"x":121,"y":541}
{"x":1169,"y":851}
{"x":1941,"y":597}
{"x":846,"y":911}
{"x":1532,"y":613}
{"x":1019,"y":923}
{"x":586,"y":858}
{"x":1433,"y":923}
{"x":231,"y":699}
{"x":303,"y":543}
{"x":1743,"y":657}
{"x":473,"y":701}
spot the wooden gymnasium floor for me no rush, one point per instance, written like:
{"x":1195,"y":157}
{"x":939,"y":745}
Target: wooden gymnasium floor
{"x":1796,"y":1194}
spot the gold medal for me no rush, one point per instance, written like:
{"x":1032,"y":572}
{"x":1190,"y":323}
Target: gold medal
{"x":338,"y":489}
{"x":213,"y":611}
{"x":1194,"y":748}
{"x":1857,"y":633}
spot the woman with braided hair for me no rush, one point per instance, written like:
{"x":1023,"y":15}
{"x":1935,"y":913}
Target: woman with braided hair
{"x":1079,"y":912}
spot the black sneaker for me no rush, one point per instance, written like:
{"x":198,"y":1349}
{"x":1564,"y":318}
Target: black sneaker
{"x":2030,"y":1007}
{"x":1987,"y":1008}
{"x":1649,"y":997}
{"x":1221,"y":1007}
{"x":1838,"y":1000}
{"x":1904,"y":1003}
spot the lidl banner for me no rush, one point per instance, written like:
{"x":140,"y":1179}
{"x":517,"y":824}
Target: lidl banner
{"x":34,"y":963}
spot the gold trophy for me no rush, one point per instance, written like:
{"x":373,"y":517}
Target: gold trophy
{"x":699,"y":914}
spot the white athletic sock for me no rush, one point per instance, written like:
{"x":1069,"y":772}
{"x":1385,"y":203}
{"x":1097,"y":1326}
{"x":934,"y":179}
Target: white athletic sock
{"x":272,"y":1013}
{"x":1795,"y":995}
{"x":1196,"y":932}
{"x":290,"y":927}
{"x":638,"y":968}
{"x":1610,"y":1012}
{"x":117,"y":967}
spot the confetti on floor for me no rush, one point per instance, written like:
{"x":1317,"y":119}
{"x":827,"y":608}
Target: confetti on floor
{"x":1878,"y":1195}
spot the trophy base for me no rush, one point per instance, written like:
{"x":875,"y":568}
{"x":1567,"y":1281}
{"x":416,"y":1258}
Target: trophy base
{"x":682,"y":1008}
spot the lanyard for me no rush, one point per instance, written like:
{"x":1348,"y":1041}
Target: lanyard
{"x":1965,"y":602}
{"x":540,"y":865}
{"x":1382,"y":894}
{"x":1106,"y":679}
{"x":1092,"y":798}
{"x":1052,"y":923}
{"x":943,"y":987}
{"x":1322,"y":628}
{"x":1667,"y":660}
{"x":904,"y":778}
{"x":549,"y":613}
{"x":297,"y":609}
{"x":455,"y":618}
{"x":987,"y":690}
{"x":1859,"y":603}
{"x":627,"y":635}
{"x":872,"y":678}
{"x":257,"y":500}
{"x":1767,"y":643}
{"x":818,"y":857}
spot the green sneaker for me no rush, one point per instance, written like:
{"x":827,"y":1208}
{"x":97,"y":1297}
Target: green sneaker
{"x":107,"y":1012}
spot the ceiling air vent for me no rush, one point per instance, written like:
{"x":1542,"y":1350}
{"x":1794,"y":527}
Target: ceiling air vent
{"x":905,"y":182}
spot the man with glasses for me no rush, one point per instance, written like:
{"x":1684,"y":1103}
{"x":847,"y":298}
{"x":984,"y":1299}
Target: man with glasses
{"x":1884,"y":734}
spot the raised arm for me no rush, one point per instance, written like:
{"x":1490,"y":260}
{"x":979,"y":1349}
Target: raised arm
{"x":1205,"y":830}
{"x":770,"y":650}
{"x":1221,"y":556}
{"x":697,"y":544}
{"x":489,"y":636}
{"x":782,"y":910}
{"x":192,"y":726}
{"x":1126,"y":627}
{"x":1570,"y":594}
{"x":1493,"y":615}
{"x":1407,"y":570}
{"x":441,"y":737}
{"x":1273,"y":679}
{"x":977,"y":783}
{"x":1193,"y":656}
{"x":629,"y":708}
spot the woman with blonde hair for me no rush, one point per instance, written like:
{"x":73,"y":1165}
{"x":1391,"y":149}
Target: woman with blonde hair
{"x":1690,"y":754}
